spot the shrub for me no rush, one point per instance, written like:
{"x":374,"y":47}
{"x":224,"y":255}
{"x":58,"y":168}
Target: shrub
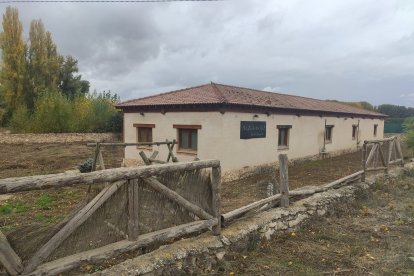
{"x":53,"y":113}
{"x":82,"y":115}
{"x":21,"y":121}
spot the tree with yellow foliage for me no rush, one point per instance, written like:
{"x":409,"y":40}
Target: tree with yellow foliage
{"x":13,"y":70}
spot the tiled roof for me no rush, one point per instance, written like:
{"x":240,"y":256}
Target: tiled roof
{"x":237,"y":96}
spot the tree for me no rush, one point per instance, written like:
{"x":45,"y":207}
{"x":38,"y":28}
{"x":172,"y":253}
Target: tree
{"x":13,"y":70}
{"x":70,"y":83}
{"x":43,"y":62}
{"x":396,"y":111}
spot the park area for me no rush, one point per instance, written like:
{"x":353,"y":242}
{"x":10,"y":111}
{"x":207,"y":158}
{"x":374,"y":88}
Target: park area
{"x":372,"y":235}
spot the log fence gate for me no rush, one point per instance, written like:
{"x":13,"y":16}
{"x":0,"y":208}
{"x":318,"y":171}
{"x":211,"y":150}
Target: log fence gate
{"x":132,"y":177}
{"x":379,"y":154}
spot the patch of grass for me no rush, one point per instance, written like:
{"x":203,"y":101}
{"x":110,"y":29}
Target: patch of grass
{"x":45,"y":201}
{"x":7,"y":228}
{"x":20,"y":207}
{"x":6,"y":209}
{"x":46,"y":219}
{"x":16,"y":207}
{"x":312,"y":162}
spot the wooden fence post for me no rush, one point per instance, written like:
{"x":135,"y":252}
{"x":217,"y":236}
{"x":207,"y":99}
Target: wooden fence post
{"x":389,"y":155}
{"x":133,"y":227}
{"x":96,"y":156}
{"x":364,"y":161}
{"x":284,"y":180}
{"x":216,"y":187}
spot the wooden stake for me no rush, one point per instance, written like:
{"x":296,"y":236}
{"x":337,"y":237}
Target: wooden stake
{"x":284,"y":180}
{"x":8,"y":258}
{"x":216,"y":199}
{"x":389,"y":156}
{"x":96,"y":156}
{"x":101,"y":161}
{"x":133,"y":207}
{"x":145,"y":158}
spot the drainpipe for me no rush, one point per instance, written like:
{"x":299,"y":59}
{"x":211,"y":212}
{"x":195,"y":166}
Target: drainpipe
{"x":357,"y":136}
{"x":324,"y":139}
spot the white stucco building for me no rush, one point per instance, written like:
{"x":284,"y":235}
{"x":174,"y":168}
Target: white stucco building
{"x":244,"y":127}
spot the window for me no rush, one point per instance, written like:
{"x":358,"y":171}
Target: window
{"x":187,"y":138}
{"x":283,"y":139}
{"x":328,"y":133}
{"x":375,"y":130}
{"x":144,"y":133}
{"x":354,"y":131}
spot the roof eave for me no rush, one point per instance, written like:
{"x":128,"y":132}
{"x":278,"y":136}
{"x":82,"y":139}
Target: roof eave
{"x":242,"y":108}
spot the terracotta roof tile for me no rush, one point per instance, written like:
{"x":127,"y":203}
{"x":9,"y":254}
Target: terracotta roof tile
{"x":224,"y":94}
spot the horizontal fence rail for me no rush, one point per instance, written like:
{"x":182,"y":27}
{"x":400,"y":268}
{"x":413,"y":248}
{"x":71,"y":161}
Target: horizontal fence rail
{"x":20,"y":184}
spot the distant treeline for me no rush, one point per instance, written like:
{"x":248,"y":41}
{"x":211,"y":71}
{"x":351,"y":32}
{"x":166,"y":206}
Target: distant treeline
{"x":42,"y":91}
{"x":396,"y":114}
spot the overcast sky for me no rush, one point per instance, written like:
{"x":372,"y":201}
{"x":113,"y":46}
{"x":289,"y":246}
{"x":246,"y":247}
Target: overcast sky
{"x":354,"y":50}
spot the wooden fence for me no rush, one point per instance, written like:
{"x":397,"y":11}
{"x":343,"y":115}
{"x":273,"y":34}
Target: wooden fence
{"x":379,"y":154}
{"x":117,"y":178}
{"x":99,"y":162}
{"x":282,"y":198}
{"x":150,"y":175}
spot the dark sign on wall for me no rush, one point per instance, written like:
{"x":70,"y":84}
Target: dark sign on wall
{"x":252,"y":129}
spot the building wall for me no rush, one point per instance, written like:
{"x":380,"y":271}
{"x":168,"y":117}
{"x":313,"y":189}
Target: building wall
{"x":219,"y":137}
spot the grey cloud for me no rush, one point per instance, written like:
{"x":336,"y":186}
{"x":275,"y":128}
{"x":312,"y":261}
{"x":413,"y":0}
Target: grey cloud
{"x":346,"y":50}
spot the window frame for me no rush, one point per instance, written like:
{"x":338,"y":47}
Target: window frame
{"x":329,"y":128}
{"x":355,"y":131}
{"x":147,"y":127}
{"x":286,"y":129}
{"x":375,"y":130}
{"x":191,"y":129}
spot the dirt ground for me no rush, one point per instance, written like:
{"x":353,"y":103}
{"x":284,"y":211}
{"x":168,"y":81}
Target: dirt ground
{"x":238,"y":193}
{"x":372,"y":236}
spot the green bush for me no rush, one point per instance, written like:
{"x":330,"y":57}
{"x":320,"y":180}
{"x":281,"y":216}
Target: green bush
{"x":21,"y":121}
{"x":53,"y":113}
{"x":408,"y":127}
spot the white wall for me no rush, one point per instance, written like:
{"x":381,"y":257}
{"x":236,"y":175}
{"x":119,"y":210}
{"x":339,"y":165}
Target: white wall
{"x":219,"y":137}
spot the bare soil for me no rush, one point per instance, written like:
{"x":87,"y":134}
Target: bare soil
{"x":372,"y":236}
{"x":238,"y":193}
